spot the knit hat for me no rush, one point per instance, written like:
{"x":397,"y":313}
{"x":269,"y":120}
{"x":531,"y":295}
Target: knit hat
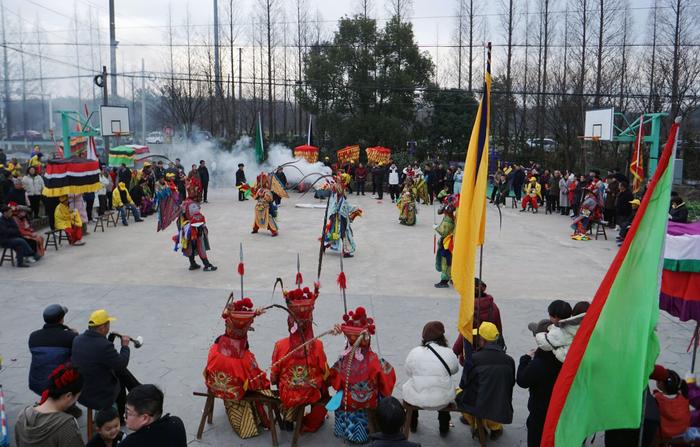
{"x":433,"y":330}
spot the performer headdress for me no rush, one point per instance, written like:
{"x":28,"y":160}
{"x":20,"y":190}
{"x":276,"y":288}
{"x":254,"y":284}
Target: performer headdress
{"x":238,"y":316}
{"x":356,"y":322}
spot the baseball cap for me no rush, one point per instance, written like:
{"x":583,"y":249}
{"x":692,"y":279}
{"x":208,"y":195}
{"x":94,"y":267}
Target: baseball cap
{"x":100,"y":317}
{"x":54,"y":312}
{"x":635,"y":202}
{"x":488,"y":331}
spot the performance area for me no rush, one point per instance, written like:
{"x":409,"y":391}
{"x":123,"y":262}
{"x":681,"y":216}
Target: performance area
{"x":529,"y":260}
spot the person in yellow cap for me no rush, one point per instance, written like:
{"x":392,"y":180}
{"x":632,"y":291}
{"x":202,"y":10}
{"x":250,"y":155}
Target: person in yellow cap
{"x":487,"y":386}
{"x":626,"y":224}
{"x":103,"y":368}
{"x":121,"y":200}
{"x":69,"y":221}
{"x":532,"y":193}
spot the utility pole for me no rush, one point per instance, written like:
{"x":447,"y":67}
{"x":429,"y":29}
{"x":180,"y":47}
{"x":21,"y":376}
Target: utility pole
{"x":112,"y":50}
{"x":240,"y":86}
{"x":105,"y":100}
{"x":143,"y":101}
{"x":217,"y":63}
{"x":6,"y":74}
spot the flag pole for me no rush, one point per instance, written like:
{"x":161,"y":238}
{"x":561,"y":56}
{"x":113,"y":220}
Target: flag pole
{"x":695,"y":347}
{"x":240,"y":267}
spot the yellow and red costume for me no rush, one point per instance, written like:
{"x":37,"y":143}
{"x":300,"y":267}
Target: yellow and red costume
{"x":533,"y":191}
{"x":300,"y":373}
{"x":232,"y":370}
{"x":361,"y":375}
{"x":265,"y":208}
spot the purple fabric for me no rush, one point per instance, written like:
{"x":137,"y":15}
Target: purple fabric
{"x":679,"y":229}
{"x":694,"y":399}
{"x":680,"y":308}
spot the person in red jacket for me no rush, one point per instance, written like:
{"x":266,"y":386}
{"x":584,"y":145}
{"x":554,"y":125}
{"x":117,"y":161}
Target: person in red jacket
{"x":485,"y":309}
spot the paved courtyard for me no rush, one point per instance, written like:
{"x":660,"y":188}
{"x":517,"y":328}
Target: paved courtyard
{"x":134,"y":273}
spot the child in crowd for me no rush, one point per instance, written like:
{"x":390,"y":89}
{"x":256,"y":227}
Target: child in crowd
{"x":560,"y":334}
{"x":108,"y":432}
{"x":674,"y":408}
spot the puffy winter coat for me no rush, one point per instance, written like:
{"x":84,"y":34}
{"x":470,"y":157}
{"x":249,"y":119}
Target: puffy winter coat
{"x":429,"y":385}
{"x":33,"y":185}
{"x":559,"y":338}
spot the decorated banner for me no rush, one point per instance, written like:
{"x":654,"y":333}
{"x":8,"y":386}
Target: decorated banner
{"x":77,"y":145}
{"x":348,"y":154}
{"x":307,"y":152}
{"x":71,"y":176}
{"x":139,"y":149}
{"x":680,"y":281}
{"x":378,"y":155}
{"x":121,"y":154}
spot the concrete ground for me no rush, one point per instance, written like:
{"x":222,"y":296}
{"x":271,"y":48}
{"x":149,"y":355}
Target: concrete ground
{"x":133,"y":272}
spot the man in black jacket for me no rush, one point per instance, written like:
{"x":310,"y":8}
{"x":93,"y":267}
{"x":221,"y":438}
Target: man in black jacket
{"x":487,"y":387}
{"x":537,"y":371}
{"x":390,"y":418}
{"x":623,"y":207}
{"x":240,"y":180}
{"x":378,"y":180}
{"x":204,"y":178}
{"x":10,"y":237}
{"x":102,"y":367}
{"x":518,"y":181}
{"x":144,"y":415}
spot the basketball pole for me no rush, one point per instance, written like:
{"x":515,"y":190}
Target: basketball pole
{"x":105,"y":102}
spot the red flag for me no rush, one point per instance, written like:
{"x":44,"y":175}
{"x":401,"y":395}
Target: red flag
{"x":637,"y":162}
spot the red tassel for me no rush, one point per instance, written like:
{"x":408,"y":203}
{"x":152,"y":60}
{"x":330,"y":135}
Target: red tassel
{"x":241,"y":269}
{"x":299,"y":279}
{"x":44,"y":396}
{"x":342,"y":281}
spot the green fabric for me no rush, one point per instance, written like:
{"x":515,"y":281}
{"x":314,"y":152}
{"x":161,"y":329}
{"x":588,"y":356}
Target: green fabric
{"x":682,"y":265}
{"x":259,"y":149}
{"x":608,"y":387}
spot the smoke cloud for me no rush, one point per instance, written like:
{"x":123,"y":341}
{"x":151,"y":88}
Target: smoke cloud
{"x":223,"y":163}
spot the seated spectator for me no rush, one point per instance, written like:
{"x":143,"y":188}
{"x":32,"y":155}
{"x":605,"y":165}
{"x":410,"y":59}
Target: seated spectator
{"x":102,"y":366}
{"x":674,"y":408}
{"x":139,"y":197}
{"x":485,"y":309}
{"x":27,"y":232}
{"x":487,"y":387}
{"x":625,"y":225}
{"x":144,"y":415}
{"x":17,"y":194}
{"x":109,"y":432}
{"x":430,"y":369}
{"x":560,"y":335}
{"x":391,"y":418}
{"x":47,"y":424}
{"x":11,"y":237}
{"x":121,"y":200}
{"x":69,"y":221}
{"x":679,"y":210}
{"x":50,"y":346}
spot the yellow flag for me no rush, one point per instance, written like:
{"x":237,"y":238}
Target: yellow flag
{"x":471,"y":214}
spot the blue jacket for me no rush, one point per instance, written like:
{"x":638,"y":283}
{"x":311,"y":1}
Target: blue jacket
{"x":97,"y":360}
{"x":50,"y":347}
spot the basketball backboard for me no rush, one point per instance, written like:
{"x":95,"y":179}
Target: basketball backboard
{"x":114,"y":121}
{"x":599,"y":124}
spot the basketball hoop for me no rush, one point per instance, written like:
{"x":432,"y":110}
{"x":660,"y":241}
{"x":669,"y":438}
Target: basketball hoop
{"x":595,"y":139}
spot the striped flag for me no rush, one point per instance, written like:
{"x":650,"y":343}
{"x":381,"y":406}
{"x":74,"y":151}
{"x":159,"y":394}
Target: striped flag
{"x":602,"y":382}
{"x":471,"y":213}
{"x":637,"y":163}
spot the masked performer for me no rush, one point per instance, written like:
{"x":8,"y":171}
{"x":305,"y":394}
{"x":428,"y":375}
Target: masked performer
{"x":589,"y":210}
{"x":232,"y":370}
{"x":193,"y":235}
{"x":443,"y":255}
{"x":166,"y":200}
{"x":361,"y":376}
{"x":341,"y":214}
{"x":407,"y":204}
{"x":193,"y":184}
{"x":265,"y":208}
{"x":300,"y":373}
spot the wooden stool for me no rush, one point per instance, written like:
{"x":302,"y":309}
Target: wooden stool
{"x":300,"y":420}
{"x":51,"y":239}
{"x":99,"y":222}
{"x":481,"y":431}
{"x":7,"y":256}
{"x":599,"y":229}
{"x":410,"y":409}
{"x":62,"y":236}
{"x":111,"y":218}
{"x":272,"y":404}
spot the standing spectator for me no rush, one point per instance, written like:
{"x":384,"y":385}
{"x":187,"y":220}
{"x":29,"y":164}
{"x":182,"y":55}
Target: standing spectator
{"x":378,"y":180}
{"x":391,"y":418}
{"x":89,"y":199}
{"x":543,"y":180}
{"x":50,"y":346}
{"x":122,"y":201}
{"x":204,"y":178}
{"x":159,"y":171}
{"x":394,"y":179}
{"x":47,"y":424}
{"x":459,"y":175}
{"x":623,"y":207}
{"x":17,"y":194}
{"x":33,"y":185}
{"x":124,"y":175}
{"x":104,"y":369}
{"x":611,"y":192}
{"x":679,"y":210}
{"x":431,"y":180}
{"x":5,"y":185}
{"x":538,"y":371}
{"x":518,"y":182}
{"x":115,"y":181}
{"x":240,"y":181}
{"x":440,"y":176}
{"x":360,"y":179}
{"x":104,"y":192}
{"x":144,"y":416}
{"x":563,"y":196}
{"x":3,"y":157}
{"x":553,"y":192}
{"x":485,"y":309}
{"x":487,"y":387}
{"x":431,"y":368}
{"x":579,"y":194}
{"x":10,"y":237}
{"x":450,"y":179}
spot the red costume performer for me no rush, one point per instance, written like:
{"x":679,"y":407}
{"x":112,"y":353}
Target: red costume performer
{"x":232,"y":369}
{"x":300,"y":375}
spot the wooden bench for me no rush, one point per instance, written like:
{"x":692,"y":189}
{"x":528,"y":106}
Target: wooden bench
{"x":452,"y":408}
{"x":7,"y":256}
{"x":272,"y":404}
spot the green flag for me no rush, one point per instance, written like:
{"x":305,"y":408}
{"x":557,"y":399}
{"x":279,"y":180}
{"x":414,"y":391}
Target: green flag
{"x":602,"y":383}
{"x":259,"y":145}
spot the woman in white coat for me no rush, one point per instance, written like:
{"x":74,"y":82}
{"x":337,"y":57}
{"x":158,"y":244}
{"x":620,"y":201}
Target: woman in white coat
{"x":433,"y":373}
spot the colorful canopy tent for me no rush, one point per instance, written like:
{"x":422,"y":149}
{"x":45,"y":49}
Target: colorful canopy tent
{"x":680,"y":281}
{"x":378,"y":155}
{"x":71,"y":176}
{"x":139,"y":149}
{"x":121,"y":154}
{"x":348,"y":154}
{"x":307,"y":152}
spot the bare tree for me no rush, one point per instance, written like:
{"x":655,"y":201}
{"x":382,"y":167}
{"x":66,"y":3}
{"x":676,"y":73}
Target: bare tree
{"x":40,"y":63}
{"x":400,"y":8}
{"x":508,"y":21}
{"x":301,"y":43}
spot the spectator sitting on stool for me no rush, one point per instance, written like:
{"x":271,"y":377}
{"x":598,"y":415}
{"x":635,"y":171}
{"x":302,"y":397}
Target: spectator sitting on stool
{"x":10,"y":237}
{"x":121,"y":200}
{"x":104,"y":369}
{"x":144,"y":415}
{"x":69,"y":221}
{"x":50,"y":347}
{"x":391,"y":418}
